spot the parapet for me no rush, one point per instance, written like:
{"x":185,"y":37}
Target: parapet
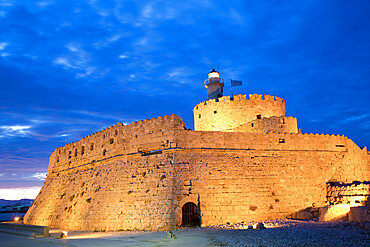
{"x":148,"y":134}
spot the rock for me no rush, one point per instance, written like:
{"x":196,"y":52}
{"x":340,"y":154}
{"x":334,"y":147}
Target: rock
{"x":358,"y":214}
{"x":171,"y":235}
{"x":303,"y":215}
{"x":365,"y":225}
{"x":334,"y":213}
{"x":260,"y":226}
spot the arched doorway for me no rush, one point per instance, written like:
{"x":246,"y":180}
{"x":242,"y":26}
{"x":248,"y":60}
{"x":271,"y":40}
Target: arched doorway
{"x":190,"y":215}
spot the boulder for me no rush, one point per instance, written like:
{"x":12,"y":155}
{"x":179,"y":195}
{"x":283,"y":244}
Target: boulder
{"x":260,"y":226}
{"x":303,"y":215}
{"x":358,"y":214}
{"x":334,"y":213}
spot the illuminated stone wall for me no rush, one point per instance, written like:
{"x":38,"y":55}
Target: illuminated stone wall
{"x":116,"y":140}
{"x":355,"y":193}
{"x":119,"y":194}
{"x":271,"y":124}
{"x":139,"y":176}
{"x":228,"y":114}
{"x":127,"y":186}
{"x":244,"y":177}
{"x":143,"y":183}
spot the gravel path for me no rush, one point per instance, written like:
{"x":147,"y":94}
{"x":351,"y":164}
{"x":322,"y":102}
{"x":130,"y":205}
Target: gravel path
{"x":277,"y":233}
{"x":291,"y":233}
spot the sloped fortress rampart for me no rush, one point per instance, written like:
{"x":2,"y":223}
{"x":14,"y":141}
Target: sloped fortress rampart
{"x":141,"y":176}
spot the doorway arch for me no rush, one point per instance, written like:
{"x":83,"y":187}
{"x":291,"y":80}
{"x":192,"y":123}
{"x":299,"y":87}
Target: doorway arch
{"x":190,"y":215}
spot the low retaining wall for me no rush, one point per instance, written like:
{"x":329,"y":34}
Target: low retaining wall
{"x":26,"y":230}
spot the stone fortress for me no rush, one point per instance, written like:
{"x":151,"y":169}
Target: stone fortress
{"x":245,"y":161}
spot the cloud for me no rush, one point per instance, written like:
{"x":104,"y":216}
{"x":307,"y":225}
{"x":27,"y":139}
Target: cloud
{"x":63,"y":135}
{"x":19,"y":193}
{"x":3,"y":45}
{"x":180,"y":75}
{"x":41,"y":176}
{"x":14,"y":130}
{"x":79,"y":61}
{"x":44,"y":4}
{"x":147,"y":11}
{"x":6,"y":3}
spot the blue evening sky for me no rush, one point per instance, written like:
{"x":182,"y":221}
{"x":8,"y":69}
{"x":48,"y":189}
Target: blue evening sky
{"x":70,"y":68}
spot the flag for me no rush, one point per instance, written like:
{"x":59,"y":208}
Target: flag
{"x":236,"y":83}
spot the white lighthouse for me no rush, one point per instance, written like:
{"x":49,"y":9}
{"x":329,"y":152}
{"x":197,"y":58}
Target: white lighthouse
{"x":214,"y":85}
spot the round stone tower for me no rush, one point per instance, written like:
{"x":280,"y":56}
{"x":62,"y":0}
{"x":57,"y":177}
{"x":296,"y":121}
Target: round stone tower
{"x":254,"y":114}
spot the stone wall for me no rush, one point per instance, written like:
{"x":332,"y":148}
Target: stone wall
{"x":244,"y":177}
{"x":128,"y":193}
{"x":141,"y":136}
{"x":355,"y":193}
{"x":226,"y":114}
{"x":155,"y":166}
{"x":272,"y":124}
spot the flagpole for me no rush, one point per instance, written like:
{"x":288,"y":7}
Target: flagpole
{"x":232,"y":92}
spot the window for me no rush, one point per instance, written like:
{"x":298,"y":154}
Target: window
{"x":111,"y":140}
{"x":281,"y":140}
{"x":91,"y":146}
{"x":82,"y":150}
{"x":104,"y":152}
{"x":252,"y":125}
{"x":215,"y":112}
{"x":200,"y":115}
{"x":116,"y":132}
{"x":75,"y":152}
{"x":259,"y":116}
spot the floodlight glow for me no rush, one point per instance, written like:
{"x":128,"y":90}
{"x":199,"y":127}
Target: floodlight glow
{"x":213,"y":74}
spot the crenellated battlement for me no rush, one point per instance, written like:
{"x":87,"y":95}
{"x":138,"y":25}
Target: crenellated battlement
{"x":227,"y":113}
{"x":143,"y":135}
{"x":252,"y":98}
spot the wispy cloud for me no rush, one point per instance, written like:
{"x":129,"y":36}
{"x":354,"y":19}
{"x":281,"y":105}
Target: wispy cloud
{"x":6,"y":3}
{"x":41,"y":176}
{"x":79,"y":61}
{"x":44,"y":3}
{"x":14,"y":130}
{"x":3,"y":45}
